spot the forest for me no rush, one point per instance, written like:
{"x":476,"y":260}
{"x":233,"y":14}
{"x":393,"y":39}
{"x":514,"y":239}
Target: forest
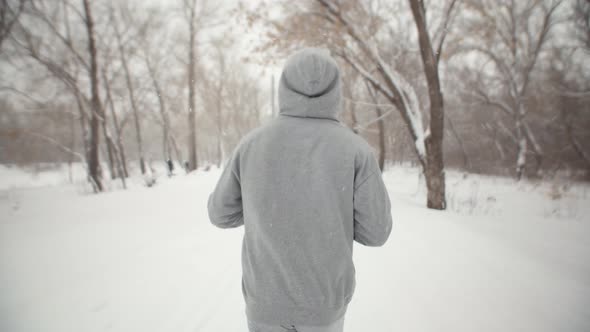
{"x":482,"y":86}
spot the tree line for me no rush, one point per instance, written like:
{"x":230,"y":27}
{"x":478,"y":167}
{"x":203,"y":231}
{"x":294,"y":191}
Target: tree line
{"x":487,"y":86}
{"x":503,"y":83}
{"x":129,"y":75}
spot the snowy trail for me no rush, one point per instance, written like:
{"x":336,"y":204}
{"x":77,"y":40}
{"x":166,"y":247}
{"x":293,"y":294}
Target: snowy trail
{"x":149,"y":260}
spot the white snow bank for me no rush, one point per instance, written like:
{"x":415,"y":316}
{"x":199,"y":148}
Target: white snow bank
{"x":148,"y":259}
{"x":41,"y":175}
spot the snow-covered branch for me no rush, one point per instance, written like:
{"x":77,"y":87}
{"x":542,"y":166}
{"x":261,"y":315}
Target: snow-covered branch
{"x":444,"y":29}
{"x":398,"y":89}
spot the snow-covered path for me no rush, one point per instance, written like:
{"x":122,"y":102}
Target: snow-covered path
{"x":148,"y":259}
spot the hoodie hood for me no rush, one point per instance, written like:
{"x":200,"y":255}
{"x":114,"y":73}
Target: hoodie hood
{"x":310,"y":85}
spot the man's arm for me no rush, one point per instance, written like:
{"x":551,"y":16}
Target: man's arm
{"x":225,"y":202}
{"x":372,"y":207}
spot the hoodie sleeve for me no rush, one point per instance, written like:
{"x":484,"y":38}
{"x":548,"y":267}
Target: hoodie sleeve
{"x":372,"y":207}
{"x":225,"y":202}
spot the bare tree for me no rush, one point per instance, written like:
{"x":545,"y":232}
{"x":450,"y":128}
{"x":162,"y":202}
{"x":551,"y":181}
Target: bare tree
{"x":191,"y":15}
{"x":117,"y":145}
{"x":198,"y":15}
{"x":511,"y":36}
{"x":151,"y":39}
{"x":434,"y":165}
{"x":32,"y":46}
{"x":96,"y":107}
{"x":62,"y":55}
{"x":123,"y":53}
{"x":217,"y":92}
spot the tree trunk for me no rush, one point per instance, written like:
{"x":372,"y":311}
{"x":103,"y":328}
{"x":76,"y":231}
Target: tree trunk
{"x":72,"y":147}
{"x":175,"y":148}
{"x":96,"y":116}
{"x":109,"y":149}
{"x":219,"y":130}
{"x":163,"y":112}
{"x":131,"y":90}
{"x":537,"y":151}
{"x":192,"y":122}
{"x":434,"y":168}
{"x":114,"y":165}
{"x":118,"y":163}
{"x":166,"y":146}
{"x":522,"y":150}
{"x":84,"y":127}
{"x":120,"y":150}
{"x":435,"y":176}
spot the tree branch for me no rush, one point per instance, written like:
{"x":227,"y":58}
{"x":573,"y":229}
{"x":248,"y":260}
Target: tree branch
{"x":444,"y":31}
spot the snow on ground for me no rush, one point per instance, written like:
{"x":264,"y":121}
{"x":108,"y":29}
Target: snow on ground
{"x":12,"y":176}
{"x":505,"y":257}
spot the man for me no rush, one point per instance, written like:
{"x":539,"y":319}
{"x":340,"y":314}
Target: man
{"x":170,"y":165}
{"x":304,"y":186}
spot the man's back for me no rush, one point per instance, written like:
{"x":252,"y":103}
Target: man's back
{"x":305,"y":187}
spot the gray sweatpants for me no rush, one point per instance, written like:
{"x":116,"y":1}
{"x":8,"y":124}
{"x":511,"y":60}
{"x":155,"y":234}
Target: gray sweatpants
{"x":337,"y":326}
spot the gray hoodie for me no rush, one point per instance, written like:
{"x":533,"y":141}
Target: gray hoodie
{"x":304,"y":186}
